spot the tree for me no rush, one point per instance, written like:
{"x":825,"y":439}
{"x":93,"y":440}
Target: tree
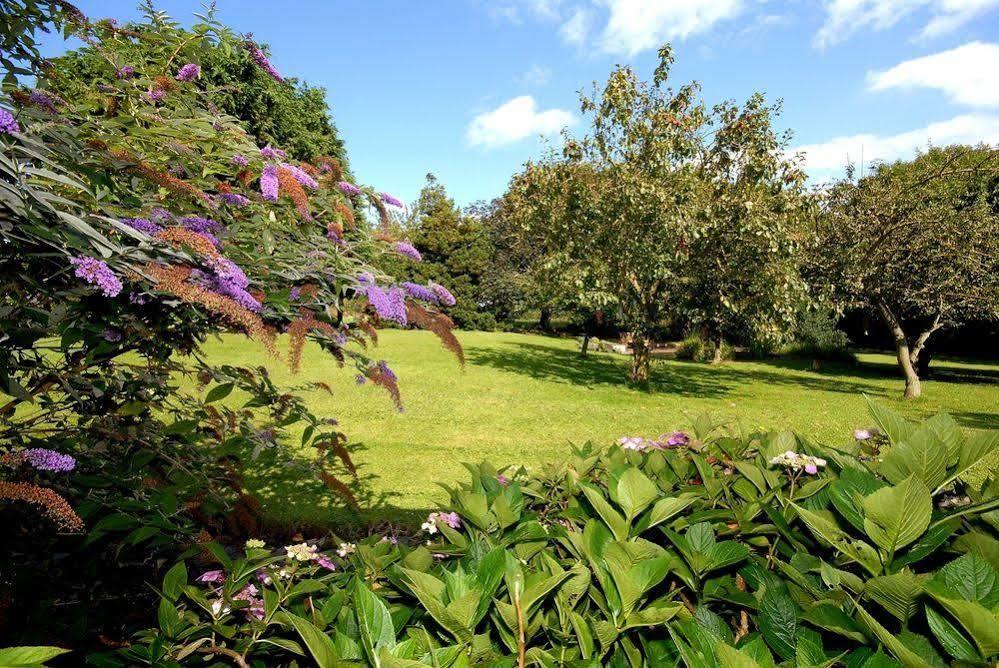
{"x":917,"y":242}
{"x":658,"y":207}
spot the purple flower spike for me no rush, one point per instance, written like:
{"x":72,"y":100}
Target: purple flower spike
{"x":125,"y":72}
{"x":444,"y":295}
{"x":189,"y":72}
{"x":417,"y":291}
{"x":269,"y":183}
{"x":261,"y":60}
{"x":392,"y":201}
{"x":143,"y":225}
{"x":97,"y":272}
{"x":349,"y":189}
{"x":44,"y":459}
{"x":8,"y":124}
{"x":301,"y":176}
{"x":235,"y":199}
{"x":240,"y":160}
{"x":407,"y":249}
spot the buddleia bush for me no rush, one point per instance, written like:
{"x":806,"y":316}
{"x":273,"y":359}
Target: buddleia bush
{"x":137,"y":219}
{"x":717,"y":548}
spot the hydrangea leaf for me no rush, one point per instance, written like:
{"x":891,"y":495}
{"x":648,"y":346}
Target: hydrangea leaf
{"x":896,"y":516}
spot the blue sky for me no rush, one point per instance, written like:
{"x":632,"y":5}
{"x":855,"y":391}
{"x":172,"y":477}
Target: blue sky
{"x":464,"y":88}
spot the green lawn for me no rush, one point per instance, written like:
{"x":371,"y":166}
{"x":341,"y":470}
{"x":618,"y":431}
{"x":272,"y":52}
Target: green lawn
{"x":521,"y":399}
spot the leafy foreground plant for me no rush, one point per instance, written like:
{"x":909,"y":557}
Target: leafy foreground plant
{"x":723,"y":548}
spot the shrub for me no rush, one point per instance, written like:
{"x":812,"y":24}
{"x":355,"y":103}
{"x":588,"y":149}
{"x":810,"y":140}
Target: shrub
{"x":718,"y":548}
{"x":817,"y":337}
{"x":696,"y":349}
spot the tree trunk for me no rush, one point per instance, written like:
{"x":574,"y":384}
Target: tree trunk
{"x":586,"y":344}
{"x":912,"y":386}
{"x":641,"y":359}
{"x":717,"y":356}
{"x":545,"y":321}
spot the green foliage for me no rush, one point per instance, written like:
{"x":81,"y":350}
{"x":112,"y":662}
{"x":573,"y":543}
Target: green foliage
{"x":696,"y":349}
{"x":816,"y":336}
{"x":720,"y":552}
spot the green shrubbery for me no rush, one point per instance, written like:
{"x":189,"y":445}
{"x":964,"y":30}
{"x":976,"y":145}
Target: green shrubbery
{"x":816,"y":336}
{"x":698,"y":349}
{"x":722,"y":548}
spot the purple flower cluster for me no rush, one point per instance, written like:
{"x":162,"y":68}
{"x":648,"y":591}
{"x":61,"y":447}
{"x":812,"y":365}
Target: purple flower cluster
{"x":160,"y":214}
{"x":201,"y":225}
{"x":8,"y":124}
{"x":143,"y":225}
{"x":240,"y":160}
{"x":417,"y":291}
{"x":269,"y":183}
{"x":154,"y":95}
{"x":189,"y":72}
{"x":392,"y":201}
{"x":301,"y":176}
{"x":229,"y":280}
{"x":97,"y":272}
{"x":261,"y":60}
{"x":444,"y":295}
{"x":44,"y":459}
{"x":383,"y":367}
{"x":125,"y":72}
{"x":270,"y":153}
{"x":41,"y":99}
{"x":407,"y":249}
{"x":389,"y":304}
{"x":349,"y":188}
{"x":111,"y":335}
{"x":235,"y":199}
{"x":640,"y":444}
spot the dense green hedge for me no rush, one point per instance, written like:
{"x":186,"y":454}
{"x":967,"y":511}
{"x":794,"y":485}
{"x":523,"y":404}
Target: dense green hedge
{"x":720,"y":548}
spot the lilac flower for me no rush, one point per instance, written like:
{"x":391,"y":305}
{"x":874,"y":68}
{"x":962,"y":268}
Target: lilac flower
{"x":451,"y":519}
{"x":383,"y":367}
{"x":417,"y":291}
{"x":269,"y":183}
{"x":261,"y":60}
{"x":143,"y":225}
{"x":137,"y":298}
{"x":389,"y":304}
{"x":434,"y":521}
{"x":97,"y":272}
{"x":677,"y":438}
{"x":235,"y":199}
{"x":636,"y":443}
{"x":301,"y":176}
{"x":8,"y":124}
{"x":202,"y":225}
{"x":269,"y":153}
{"x":154,"y":95}
{"x":160,"y":214}
{"x":392,"y":201}
{"x":360,"y":379}
{"x":125,"y":72}
{"x":294,"y":293}
{"x":407,"y":249}
{"x":502,"y":480}
{"x":240,"y":160}
{"x":44,"y":459}
{"x":111,"y":335}
{"x":189,"y":72}
{"x":349,"y":188}
{"x":214,"y":577}
{"x":444,"y":295}
{"x":326,"y":562}
{"x":229,"y":279}
{"x":862,"y":434}
{"x":797,"y":462}
{"x":41,"y":99}
{"x":333,"y":236}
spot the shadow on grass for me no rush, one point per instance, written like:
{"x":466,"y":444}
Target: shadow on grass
{"x":668,"y":377}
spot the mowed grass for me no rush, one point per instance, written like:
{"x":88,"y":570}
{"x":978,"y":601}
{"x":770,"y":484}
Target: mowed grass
{"x":522,"y":399}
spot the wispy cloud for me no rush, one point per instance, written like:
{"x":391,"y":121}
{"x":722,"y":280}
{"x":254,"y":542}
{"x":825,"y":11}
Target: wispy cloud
{"x":846,"y":17}
{"x":829,"y":158}
{"x":535,"y":76}
{"x":968,"y":74}
{"x":640,"y":25}
{"x":577,"y":28}
{"x":515,"y":120}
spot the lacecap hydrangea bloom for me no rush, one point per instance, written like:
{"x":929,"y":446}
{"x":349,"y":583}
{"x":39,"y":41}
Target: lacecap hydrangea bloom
{"x":434,"y":521}
{"x":301,"y":552}
{"x":798,"y":462}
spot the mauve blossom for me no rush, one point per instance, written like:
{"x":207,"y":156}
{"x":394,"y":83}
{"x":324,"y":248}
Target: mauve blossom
{"x":360,"y":379}
{"x":417,"y":291}
{"x":125,"y":72}
{"x":301,"y":176}
{"x":189,"y":72}
{"x":43,"y":100}
{"x":143,"y":225}
{"x":8,"y":124}
{"x":407,"y":249}
{"x":111,"y":335}
{"x":240,"y":160}
{"x":383,"y":367}
{"x":154,"y":95}
{"x":797,"y":462}
{"x":269,"y":183}
{"x":862,"y":434}
{"x":444,"y":295}
{"x":392,"y":201}
{"x":326,"y":562}
{"x":261,"y":60}
{"x":235,"y":199}
{"x":388,"y":304}
{"x":677,"y":438}
{"x":97,"y":272}
{"x":502,"y":480}
{"x":348,"y":188}
{"x":214,"y":577}
{"x":44,"y":459}
{"x":269,"y":153}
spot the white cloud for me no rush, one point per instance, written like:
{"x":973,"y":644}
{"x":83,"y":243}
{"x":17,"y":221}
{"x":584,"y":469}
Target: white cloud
{"x":845,"y":17}
{"x":515,"y":120}
{"x":575,"y":30}
{"x":639,"y":25}
{"x":829,"y":158}
{"x":968,"y":74}
{"x":514,"y":10}
{"x":536,"y":75}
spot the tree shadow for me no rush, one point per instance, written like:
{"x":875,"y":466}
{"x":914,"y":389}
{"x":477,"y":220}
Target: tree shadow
{"x":686,"y":379}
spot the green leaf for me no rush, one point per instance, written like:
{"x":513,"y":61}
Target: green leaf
{"x":613,"y":519}
{"x":219,"y":392}
{"x":908,"y":658}
{"x":972,"y":578}
{"x":981,"y":623}
{"x":949,"y":637}
{"x":778,"y":620}
{"x":827,"y":529}
{"x":831,"y":618}
{"x":891,"y":423}
{"x":27,"y":657}
{"x":730,"y":657}
{"x":634,"y":492}
{"x":921,"y":454}
{"x":897,"y":593}
{"x":318,"y":643}
{"x":175,"y":580}
{"x":896,"y":516}
{"x":974,"y":451}
{"x":373,"y":621}
{"x":666,"y":508}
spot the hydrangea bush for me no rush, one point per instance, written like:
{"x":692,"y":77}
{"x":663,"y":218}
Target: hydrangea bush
{"x":717,"y":548}
{"x":136,"y":220}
